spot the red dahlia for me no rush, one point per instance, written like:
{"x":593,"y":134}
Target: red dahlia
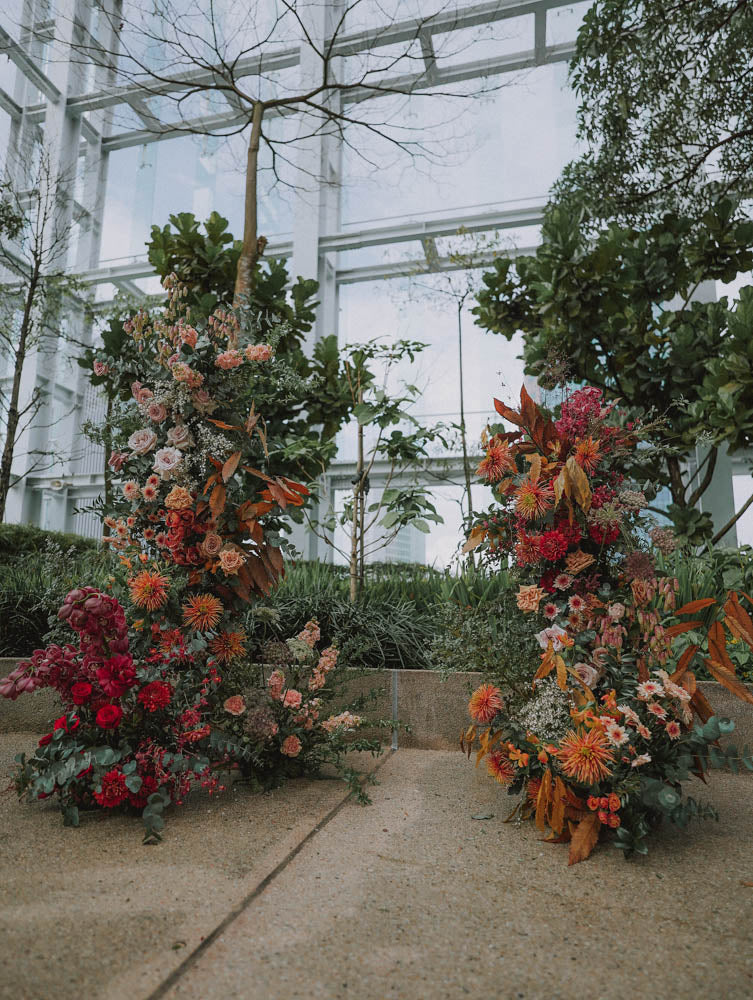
{"x":155,"y":696}
{"x":113,"y":790}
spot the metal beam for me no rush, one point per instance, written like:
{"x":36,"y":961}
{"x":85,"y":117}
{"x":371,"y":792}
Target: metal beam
{"x":10,"y":47}
{"x":9,"y":105}
{"x":417,"y":229}
{"x":407,"y":84}
{"x":348,"y":45}
{"x":413,"y":268}
{"x":340,"y":475}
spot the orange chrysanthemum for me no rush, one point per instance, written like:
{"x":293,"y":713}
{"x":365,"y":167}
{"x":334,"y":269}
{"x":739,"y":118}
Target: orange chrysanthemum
{"x":202,"y":612}
{"x":499,"y":766}
{"x":587,"y":454}
{"x":149,"y":590}
{"x":584,"y":755}
{"x":498,"y":461}
{"x":533,"y":499}
{"x":228,"y":646}
{"x":485,"y":702}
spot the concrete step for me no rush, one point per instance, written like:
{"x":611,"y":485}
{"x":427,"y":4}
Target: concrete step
{"x":432,"y":706}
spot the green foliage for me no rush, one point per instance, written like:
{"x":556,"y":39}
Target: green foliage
{"x":18,"y":540}
{"x":664,"y":101}
{"x":615,"y":305}
{"x":492,"y":638}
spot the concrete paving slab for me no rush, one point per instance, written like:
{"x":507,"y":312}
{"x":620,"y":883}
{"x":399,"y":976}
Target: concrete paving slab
{"x":92,"y":913}
{"x":413,"y":898}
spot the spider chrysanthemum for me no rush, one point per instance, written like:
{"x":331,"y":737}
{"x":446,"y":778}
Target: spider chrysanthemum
{"x":498,"y":461}
{"x":149,"y":590}
{"x":584,"y":756}
{"x":202,"y":612}
{"x":228,"y":646}
{"x":533,"y":499}
{"x":485,"y":703}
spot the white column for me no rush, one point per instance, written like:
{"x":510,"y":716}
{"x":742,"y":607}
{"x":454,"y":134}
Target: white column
{"x":317,"y":212}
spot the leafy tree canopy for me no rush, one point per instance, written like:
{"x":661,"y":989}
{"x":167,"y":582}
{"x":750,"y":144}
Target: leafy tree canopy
{"x":664,"y":105}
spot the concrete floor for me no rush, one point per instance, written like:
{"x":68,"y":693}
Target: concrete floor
{"x":410,"y":898}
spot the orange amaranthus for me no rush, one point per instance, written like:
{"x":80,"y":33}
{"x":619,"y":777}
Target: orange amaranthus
{"x":202,"y":611}
{"x":149,"y":589}
{"x":228,"y":646}
{"x":584,"y":756}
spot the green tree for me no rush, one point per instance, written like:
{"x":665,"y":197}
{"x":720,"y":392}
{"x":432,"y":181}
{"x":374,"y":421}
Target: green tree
{"x":390,"y":442}
{"x":664,"y":106}
{"x":617,"y":303}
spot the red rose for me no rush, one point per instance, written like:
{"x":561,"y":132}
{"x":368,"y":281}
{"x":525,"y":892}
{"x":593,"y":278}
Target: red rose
{"x":62,"y":723}
{"x":81,"y":692}
{"x":47,"y":738}
{"x":109,"y":716}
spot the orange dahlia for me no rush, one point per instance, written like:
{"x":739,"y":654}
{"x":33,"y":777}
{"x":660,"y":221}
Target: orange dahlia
{"x":228,"y":646}
{"x":584,"y":755}
{"x":202,"y":612}
{"x":498,"y":461}
{"x":149,"y":589}
{"x":533,"y":499}
{"x":485,"y":702}
{"x":499,"y":766}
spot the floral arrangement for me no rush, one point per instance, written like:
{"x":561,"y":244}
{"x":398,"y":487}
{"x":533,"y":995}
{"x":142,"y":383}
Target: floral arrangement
{"x":615,"y":721}
{"x":158,"y":690}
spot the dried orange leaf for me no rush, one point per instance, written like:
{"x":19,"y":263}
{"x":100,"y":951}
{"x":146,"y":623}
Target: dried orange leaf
{"x":231,"y":465}
{"x":584,"y":838}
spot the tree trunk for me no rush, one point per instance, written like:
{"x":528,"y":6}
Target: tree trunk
{"x":250,"y":251}
{"x":463,"y":438}
{"x":356,"y":533}
{"x":13,"y":416}
{"x":107,"y":441}
{"x":676,"y":485}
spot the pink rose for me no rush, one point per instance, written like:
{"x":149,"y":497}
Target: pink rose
{"x":588,"y":674}
{"x":203,"y":401}
{"x":117,"y":460}
{"x":212,"y":544}
{"x":231,"y":561}
{"x":166,"y":460}
{"x":135,"y":386}
{"x":140,"y":442}
{"x":156,"y":412}
{"x":144,"y":395}
{"x":179,"y":437}
{"x":292,"y":699}
{"x":100,"y":368}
